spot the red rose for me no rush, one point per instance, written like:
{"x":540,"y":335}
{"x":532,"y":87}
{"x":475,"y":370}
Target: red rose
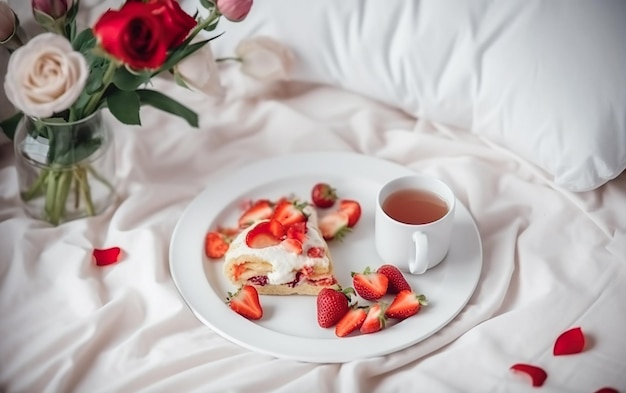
{"x":133,"y":35}
{"x":176,"y":22}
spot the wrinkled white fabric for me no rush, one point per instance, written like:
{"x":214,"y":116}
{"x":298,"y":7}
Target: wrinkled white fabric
{"x":552,"y":260}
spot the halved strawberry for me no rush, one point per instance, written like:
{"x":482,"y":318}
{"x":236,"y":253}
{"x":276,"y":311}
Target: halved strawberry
{"x":370,"y":285}
{"x":375,"y":319}
{"x":334,"y":226}
{"x":316,"y":252}
{"x":323,"y":195}
{"x":351,"y":321}
{"x":352,"y":208}
{"x":246,"y":302}
{"x":289,"y":212}
{"x":405,"y":304}
{"x":332,"y":304}
{"x":263,"y":235}
{"x":292,"y":245}
{"x":397,"y":282}
{"x":215,"y":244}
{"x":258,"y":210}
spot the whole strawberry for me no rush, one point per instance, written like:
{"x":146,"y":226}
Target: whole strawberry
{"x":332,"y":305}
{"x":323,"y":195}
{"x":397,"y":282}
{"x":370,"y":285}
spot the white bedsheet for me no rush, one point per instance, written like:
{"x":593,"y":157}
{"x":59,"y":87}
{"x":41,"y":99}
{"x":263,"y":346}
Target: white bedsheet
{"x":552,"y":260}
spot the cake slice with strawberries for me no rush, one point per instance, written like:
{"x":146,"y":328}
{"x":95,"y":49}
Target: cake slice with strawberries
{"x":281,"y":251}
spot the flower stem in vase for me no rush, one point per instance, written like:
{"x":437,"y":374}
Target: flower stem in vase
{"x":99,"y":177}
{"x":59,"y":182}
{"x":80,"y":174}
{"x":37,"y":188}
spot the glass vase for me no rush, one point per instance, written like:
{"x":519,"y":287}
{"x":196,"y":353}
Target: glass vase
{"x":65,"y":170}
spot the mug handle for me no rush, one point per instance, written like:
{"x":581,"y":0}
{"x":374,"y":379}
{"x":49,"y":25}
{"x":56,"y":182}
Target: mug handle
{"x":419,"y":264}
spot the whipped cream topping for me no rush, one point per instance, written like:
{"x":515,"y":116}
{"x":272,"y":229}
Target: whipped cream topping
{"x":285,"y":264}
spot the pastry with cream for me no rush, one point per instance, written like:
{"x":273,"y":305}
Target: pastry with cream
{"x":283,"y":254}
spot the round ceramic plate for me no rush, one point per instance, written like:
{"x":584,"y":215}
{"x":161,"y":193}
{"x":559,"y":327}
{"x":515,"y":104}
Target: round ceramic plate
{"x":289,"y":326}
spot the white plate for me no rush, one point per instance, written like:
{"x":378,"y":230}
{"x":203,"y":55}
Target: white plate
{"x":289,"y":326}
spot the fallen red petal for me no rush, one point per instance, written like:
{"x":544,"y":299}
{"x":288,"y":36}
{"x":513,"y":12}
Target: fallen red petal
{"x":569,"y":342}
{"x":106,"y":256}
{"x":537,"y":374}
{"x":606,"y":390}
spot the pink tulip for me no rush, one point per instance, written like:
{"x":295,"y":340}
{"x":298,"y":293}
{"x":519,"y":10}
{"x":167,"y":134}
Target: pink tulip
{"x":7,"y":21}
{"x":234,"y":10}
{"x":56,"y":9}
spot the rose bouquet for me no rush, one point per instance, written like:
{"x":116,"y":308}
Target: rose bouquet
{"x":61,"y":79}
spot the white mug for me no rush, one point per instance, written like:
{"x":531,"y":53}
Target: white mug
{"x":413,"y":222}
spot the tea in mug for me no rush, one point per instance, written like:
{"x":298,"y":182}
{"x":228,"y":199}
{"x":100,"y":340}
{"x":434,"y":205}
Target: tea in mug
{"x":415,"y":207}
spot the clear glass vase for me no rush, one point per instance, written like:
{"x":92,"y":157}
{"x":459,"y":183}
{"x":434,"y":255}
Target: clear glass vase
{"x":65,"y":170}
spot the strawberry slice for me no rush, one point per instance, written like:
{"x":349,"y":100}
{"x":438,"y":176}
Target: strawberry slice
{"x":216,"y":244}
{"x":334,"y":226}
{"x":292,"y":245}
{"x":289,"y":212}
{"x":352,"y":208}
{"x":606,"y":390}
{"x":106,"y":256}
{"x":297,"y":231}
{"x":405,"y":304}
{"x":370,"y":285}
{"x":569,"y":342}
{"x":537,"y":374}
{"x":351,"y":321}
{"x":323,"y":195}
{"x":246,"y":302}
{"x":258,"y":210}
{"x":263,"y":235}
{"x":316,"y":252}
{"x":375,"y":319}
{"x":277,"y":229}
{"x":397,"y":282}
{"x":332,"y":305}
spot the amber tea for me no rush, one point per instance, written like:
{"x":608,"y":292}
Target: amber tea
{"x":414,"y":207}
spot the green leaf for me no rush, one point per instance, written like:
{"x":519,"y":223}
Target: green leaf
{"x":179,"y":54}
{"x":94,"y":81}
{"x":128,"y":81}
{"x":206,"y":4}
{"x":179,"y":81}
{"x":9,"y":125}
{"x":165,"y":103}
{"x":72,"y":12}
{"x":84,"y":41}
{"x":77,"y":153}
{"x":124,"y":105}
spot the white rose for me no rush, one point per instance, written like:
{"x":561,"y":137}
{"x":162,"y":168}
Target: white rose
{"x":264,"y":59}
{"x":199,"y":72}
{"x":45,"y":76}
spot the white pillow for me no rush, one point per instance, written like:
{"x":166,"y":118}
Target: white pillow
{"x":545,"y":79}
